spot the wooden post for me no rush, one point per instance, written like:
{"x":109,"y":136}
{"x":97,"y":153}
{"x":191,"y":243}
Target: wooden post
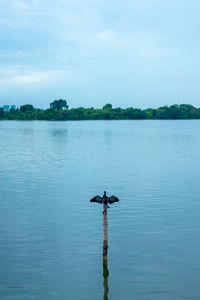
{"x":105,"y":235}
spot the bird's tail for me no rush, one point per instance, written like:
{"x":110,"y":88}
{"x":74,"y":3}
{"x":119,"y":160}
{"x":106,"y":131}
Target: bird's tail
{"x":106,"y":205}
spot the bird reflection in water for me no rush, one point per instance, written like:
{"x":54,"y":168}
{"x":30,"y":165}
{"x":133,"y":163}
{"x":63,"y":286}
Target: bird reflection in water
{"x":105,"y":280}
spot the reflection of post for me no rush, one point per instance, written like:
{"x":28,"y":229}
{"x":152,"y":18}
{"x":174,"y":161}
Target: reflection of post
{"x":105,"y":234}
{"x":105,"y":280}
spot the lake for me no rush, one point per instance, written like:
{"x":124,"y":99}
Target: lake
{"x":51,"y":235}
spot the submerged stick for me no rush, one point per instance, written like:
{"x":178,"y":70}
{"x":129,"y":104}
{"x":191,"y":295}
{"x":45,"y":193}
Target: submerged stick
{"x":105,"y":252}
{"x":105,"y":234}
{"x":105,"y":200}
{"x":105,"y":280}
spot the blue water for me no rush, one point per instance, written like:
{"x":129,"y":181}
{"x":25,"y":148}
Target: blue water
{"x":51,"y":235}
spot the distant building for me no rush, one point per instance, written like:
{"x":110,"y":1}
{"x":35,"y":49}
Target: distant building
{"x":9,"y":107}
{"x":6,"y":107}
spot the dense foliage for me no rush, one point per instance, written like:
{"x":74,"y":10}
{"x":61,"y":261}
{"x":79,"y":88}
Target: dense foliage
{"x":59,"y":111}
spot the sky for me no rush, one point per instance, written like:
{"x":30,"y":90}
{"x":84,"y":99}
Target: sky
{"x":138,"y":53}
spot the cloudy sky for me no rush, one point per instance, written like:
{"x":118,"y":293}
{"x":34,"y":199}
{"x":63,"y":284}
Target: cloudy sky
{"x":141,"y":53}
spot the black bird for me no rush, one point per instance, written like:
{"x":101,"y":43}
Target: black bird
{"x":105,"y":199}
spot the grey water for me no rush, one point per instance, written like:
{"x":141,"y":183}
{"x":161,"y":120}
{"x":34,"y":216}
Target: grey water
{"x":51,"y":235}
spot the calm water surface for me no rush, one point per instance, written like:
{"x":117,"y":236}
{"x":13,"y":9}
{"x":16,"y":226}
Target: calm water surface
{"x":51,"y":235}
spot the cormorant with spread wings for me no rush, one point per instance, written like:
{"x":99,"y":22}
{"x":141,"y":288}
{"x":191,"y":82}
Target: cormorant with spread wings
{"x":105,"y":199}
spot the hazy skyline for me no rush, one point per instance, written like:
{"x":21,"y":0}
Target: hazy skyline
{"x":142,"y":53}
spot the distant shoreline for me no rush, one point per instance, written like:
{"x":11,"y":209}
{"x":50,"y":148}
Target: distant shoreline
{"x":32,"y":120}
{"x":59,"y":111}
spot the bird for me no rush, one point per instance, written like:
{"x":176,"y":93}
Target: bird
{"x":105,"y":199}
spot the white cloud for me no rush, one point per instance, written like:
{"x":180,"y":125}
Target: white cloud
{"x":32,"y":79}
{"x":20,"y":5}
{"x":119,"y":46}
{"x":149,"y":52}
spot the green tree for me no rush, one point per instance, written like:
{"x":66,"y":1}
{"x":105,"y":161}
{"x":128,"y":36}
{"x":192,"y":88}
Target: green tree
{"x":27,"y":107}
{"x":162,"y":112}
{"x":1,"y":112}
{"x":59,"y":104}
{"x":107,"y":107}
{"x":149,"y":113}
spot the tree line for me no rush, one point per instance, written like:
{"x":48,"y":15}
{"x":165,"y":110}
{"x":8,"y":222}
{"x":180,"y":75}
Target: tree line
{"x":60,"y":111}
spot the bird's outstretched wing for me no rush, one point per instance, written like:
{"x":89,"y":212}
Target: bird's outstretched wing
{"x":97,"y":199}
{"x":112,"y":199}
